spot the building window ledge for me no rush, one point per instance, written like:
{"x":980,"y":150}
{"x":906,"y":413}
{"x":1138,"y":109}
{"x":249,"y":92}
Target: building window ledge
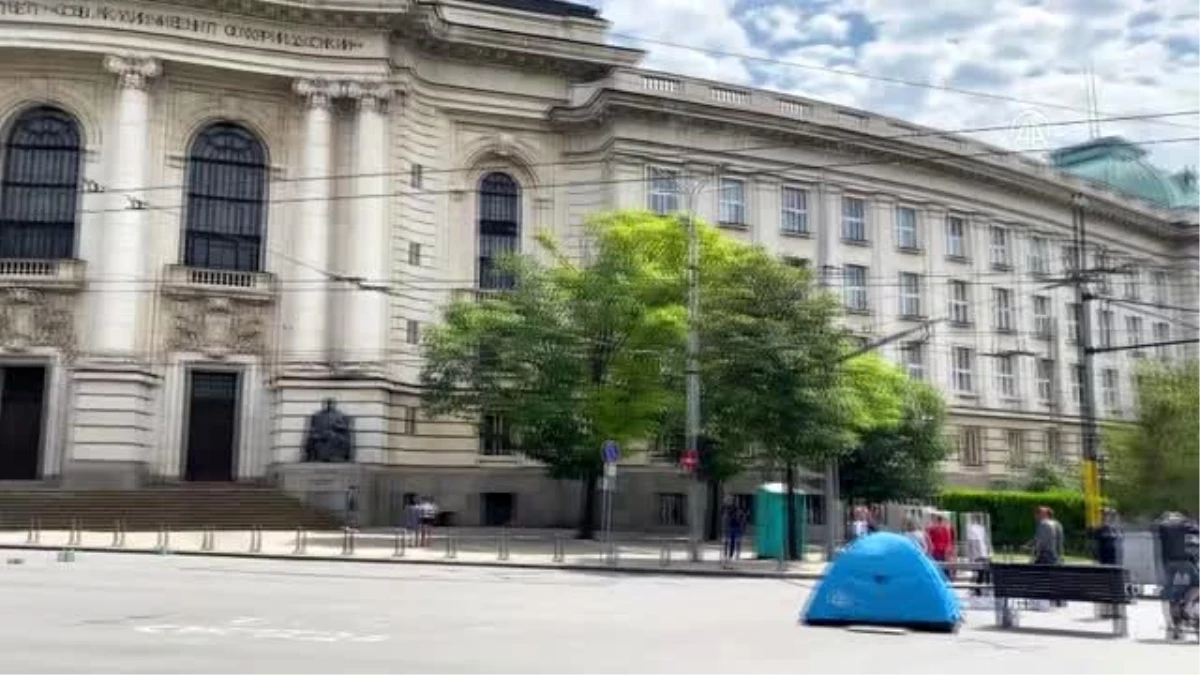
{"x":65,"y":275}
{"x":182,"y":280}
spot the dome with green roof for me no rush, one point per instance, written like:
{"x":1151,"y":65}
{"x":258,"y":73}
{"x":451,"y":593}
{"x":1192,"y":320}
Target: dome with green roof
{"x":1121,"y":166}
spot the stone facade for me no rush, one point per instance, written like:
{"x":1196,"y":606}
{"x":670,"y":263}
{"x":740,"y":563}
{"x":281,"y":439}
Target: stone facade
{"x":374,"y":126}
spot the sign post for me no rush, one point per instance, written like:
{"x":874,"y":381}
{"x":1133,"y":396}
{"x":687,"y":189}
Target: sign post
{"x":608,"y":484}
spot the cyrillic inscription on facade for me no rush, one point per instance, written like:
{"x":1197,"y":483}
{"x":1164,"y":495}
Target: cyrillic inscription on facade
{"x":167,"y":22}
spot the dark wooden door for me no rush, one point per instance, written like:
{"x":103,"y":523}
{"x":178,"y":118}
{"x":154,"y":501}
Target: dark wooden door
{"x":212,"y":426}
{"x":498,"y":509}
{"x":22,"y":397}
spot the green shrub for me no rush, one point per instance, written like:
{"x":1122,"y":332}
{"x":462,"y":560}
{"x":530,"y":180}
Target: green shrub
{"x":1012,"y":514}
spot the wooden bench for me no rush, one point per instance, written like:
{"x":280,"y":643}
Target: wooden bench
{"x":1099,"y":584}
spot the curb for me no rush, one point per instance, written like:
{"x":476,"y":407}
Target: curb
{"x":569,"y":567}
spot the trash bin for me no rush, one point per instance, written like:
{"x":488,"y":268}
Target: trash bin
{"x":770,"y":524}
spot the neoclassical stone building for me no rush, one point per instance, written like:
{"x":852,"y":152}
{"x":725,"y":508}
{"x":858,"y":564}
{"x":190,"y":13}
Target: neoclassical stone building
{"x":214,"y":215}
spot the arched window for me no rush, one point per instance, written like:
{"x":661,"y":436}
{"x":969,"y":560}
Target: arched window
{"x":226,"y":199}
{"x":499,"y":227}
{"x":39,"y":186}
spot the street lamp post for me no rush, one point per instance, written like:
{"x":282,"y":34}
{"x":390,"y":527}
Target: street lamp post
{"x":692,"y":371}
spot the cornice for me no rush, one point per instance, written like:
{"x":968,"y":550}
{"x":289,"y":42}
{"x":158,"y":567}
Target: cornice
{"x":342,"y":13}
{"x":431,"y":32}
{"x":609,"y":104}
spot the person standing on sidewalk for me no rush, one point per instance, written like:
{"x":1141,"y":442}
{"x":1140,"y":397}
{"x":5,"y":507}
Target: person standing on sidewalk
{"x":979,"y":552}
{"x":428,"y":511}
{"x":941,"y":543}
{"x":352,"y":507}
{"x":735,"y":528}
{"x":1108,"y":540}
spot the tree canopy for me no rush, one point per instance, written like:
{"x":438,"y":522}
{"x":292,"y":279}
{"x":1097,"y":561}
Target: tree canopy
{"x":1153,"y":463}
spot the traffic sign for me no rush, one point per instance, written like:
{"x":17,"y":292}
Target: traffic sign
{"x":611,"y":452}
{"x":690,"y":459}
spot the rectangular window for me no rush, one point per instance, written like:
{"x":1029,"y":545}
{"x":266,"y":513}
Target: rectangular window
{"x":854,"y":219}
{"x":1073,"y":314}
{"x":1110,"y":384}
{"x":910,"y":294}
{"x":794,"y":215}
{"x":495,"y":436}
{"x":793,"y":261}
{"x":856,"y":288}
{"x":733,"y":202}
{"x":1133,"y":284}
{"x":1161,"y":296}
{"x":960,"y":303}
{"x":1045,"y":380}
{"x":1041,"y":317}
{"x":1054,"y":446}
{"x":906,"y":228}
{"x":664,"y":190}
{"x":414,"y":254}
{"x":956,"y":237}
{"x":1002,"y":302}
{"x":412,"y":332}
{"x":1001,"y":248}
{"x":913,"y":354}
{"x":1016,"y":448}
{"x":1104,"y":285}
{"x":417,"y":175}
{"x":1162,"y":333}
{"x":672,"y":509}
{"x":410,"y":420}
{"x":962,"y":368}
{"x":970,"y":447}
{"x":1006,"y":376}
{"x":1039,"y":255}
{"x":1106,"y":327}
{"x":1133,"y":331}
{"x":1077,"y":384}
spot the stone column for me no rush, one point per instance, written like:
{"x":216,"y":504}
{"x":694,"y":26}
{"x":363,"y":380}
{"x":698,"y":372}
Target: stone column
{"x":828,"y":230}
{"x":307,"y":340}
{"x":366,"y":330}
{"x":116,"y":304}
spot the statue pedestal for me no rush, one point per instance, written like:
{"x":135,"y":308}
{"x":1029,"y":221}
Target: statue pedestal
{"x":324,"y":486}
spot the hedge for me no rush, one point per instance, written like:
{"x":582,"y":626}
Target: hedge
{"x":1012,"y":514}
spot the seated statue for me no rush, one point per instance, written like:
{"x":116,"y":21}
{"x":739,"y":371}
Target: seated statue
{"x":329,"y":436}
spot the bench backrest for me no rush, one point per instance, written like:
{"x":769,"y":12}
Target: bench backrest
{"x":1085,"y":583}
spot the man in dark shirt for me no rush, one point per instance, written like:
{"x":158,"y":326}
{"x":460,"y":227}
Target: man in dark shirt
{"x":1177,"y":538}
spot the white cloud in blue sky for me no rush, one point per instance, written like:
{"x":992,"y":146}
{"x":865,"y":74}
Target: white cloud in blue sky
{"x":1144,"y":54}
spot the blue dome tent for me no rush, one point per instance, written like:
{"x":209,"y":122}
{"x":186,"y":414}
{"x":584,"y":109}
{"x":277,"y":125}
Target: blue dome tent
{"x":883,"y":579}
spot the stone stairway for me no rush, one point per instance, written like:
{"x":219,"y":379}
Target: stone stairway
{"x":194,"y":506}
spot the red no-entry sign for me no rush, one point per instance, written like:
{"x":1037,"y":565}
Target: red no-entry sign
{"x":690,"y":459}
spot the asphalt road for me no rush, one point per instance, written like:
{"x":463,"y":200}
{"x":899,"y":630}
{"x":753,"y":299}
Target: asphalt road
{"x":124,"y":613}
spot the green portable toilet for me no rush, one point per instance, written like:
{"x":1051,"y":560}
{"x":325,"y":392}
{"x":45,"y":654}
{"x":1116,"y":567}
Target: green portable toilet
{"x":770,"y":524}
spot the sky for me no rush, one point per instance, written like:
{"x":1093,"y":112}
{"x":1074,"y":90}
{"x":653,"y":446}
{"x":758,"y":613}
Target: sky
{"x":1143,"y":56}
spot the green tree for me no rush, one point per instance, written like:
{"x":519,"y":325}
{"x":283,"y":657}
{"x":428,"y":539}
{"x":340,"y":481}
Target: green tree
{"x":775,"y":374}
{"x":1153,"y":463}
{"x":897,"y":458}
{"x":573,"y":355}
{"x":1044,"y":476}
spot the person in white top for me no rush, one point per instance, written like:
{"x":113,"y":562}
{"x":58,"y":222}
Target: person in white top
{"x":427,"y":511}
{"x":916,"y":534}
{"x":979,"y":552}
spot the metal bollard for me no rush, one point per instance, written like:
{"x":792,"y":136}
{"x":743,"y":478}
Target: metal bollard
{"x":502,"y":546}
{"x":164,"y":540}
{"x":119,"y":534}
{"x":347,"y":541}
{"x":75,"y":536}
{"x":781,"y":564}
{"x":301,"y":542}
{"x":208,"y":541}
{"x":35,"y":532}
{"x":560,"y":549}
{"x":256,"y":539}
{"x":399,"y":546}
{"x":614,"y":553}
{"x":664,"y":555}
{"x":451,"y":547}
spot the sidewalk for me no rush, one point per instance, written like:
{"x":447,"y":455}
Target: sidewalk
{"x":542,"y":549}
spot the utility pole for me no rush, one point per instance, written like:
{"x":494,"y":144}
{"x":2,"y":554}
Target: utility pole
{"x":1087,"y":384}
{"x":692,"y":371}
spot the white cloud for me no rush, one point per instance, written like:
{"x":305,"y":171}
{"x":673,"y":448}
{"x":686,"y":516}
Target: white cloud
{"x":1143,"y":54}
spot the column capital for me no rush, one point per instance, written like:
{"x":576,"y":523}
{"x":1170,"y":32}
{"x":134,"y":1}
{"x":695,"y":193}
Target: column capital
{"x":370,"y":95}
{"x":317,"y":92}
{"x":132,"y":71}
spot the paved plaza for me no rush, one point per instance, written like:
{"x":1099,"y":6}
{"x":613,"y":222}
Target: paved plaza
{"x":124,"y":613}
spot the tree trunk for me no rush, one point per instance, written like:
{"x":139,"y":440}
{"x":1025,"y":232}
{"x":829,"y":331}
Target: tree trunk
{"x":789,"y":517}
{"x":587,"y":515}
{"x":712,"y":521}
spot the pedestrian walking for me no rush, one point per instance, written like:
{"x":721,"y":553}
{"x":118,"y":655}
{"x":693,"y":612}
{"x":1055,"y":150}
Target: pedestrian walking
{"x":915,"y":534}
{"x":1047,"y":543}
{"x":735,"y":526}
{"x":941,"y":543}
{"x":352,"y":507}
{"x":979,"y":552}
{"x":428,"y":512}
{"x":1107,"y":543}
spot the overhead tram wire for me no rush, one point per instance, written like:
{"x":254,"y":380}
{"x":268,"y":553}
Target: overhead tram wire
{"x":570,"y":162}
{"x":937,"y":156}
{"x":868,"y":76}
